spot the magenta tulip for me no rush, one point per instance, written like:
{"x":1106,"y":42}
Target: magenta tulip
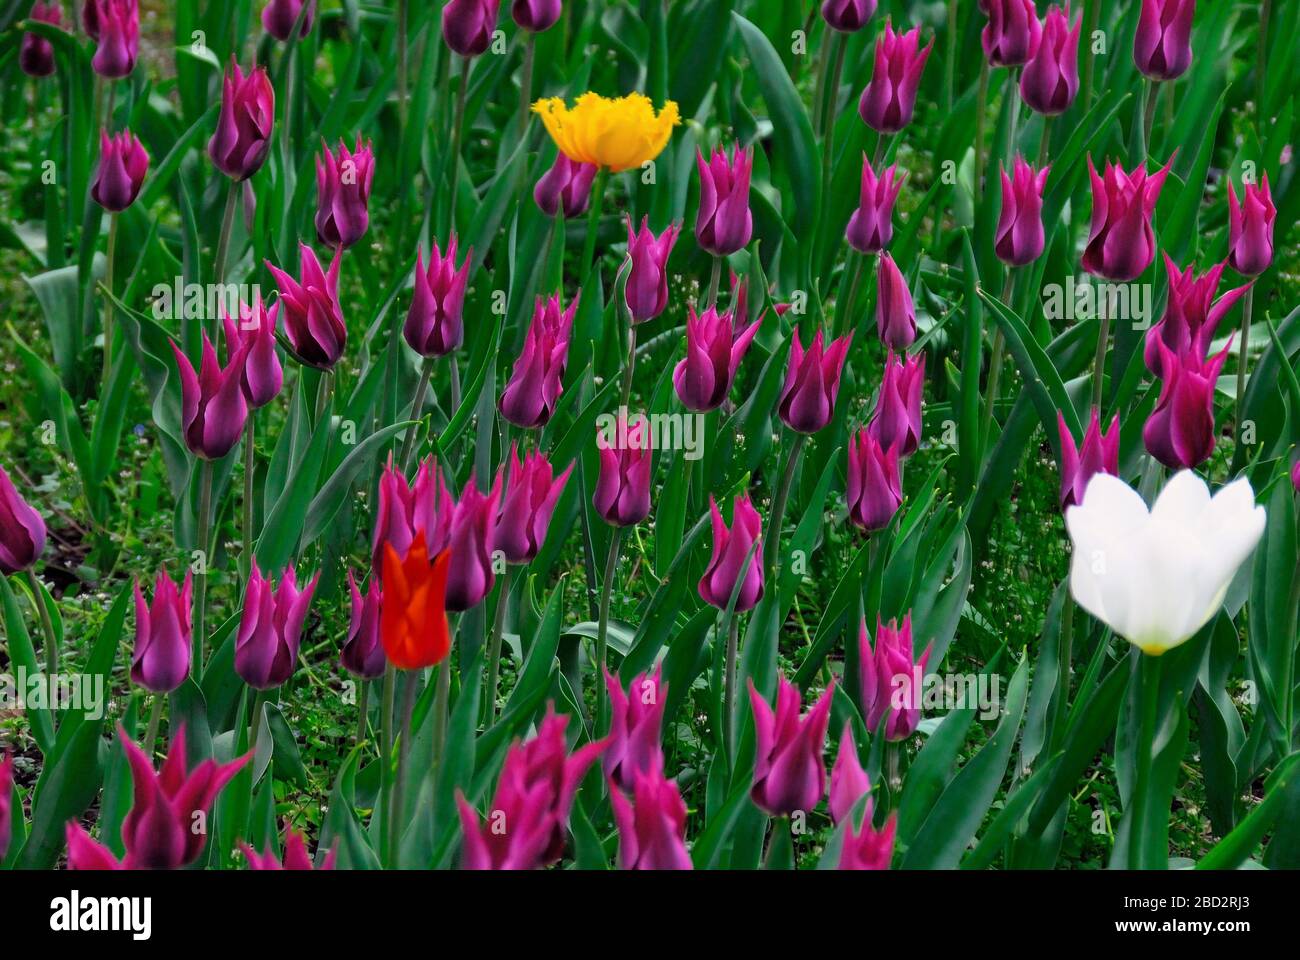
{"x":468,"y":25}
{"x":635,"y":728}
{"x":724,"y":224}
{"x":847,"y":16}
{"x":871,"y":226}
{"x":1099,"y":454}
{"x":279,"y":17}
{"x":789,"y":769}
{"x":1050,"y":81}
{"x":213,"y":408}
{"x":343,"y":182}
{"x":117,"y":34}
{"x":849,"y":782}
{"x":1250,"y":228}
{"x":36,"y":55}
{"x":1192,"y":315}
{"x":295,"y":855}
{"x":869,"y":849}
{"x":435,"y":323}
{"x":161,"y":661}
{"x":255,"y":333}
{"x":874,"y":490}
{"x":714,"y":349}
{"x":651,"y":825}
{"x":896,"y":421}
{"x":736,"y":560}
{"x":895,"y":314}
{"x":123,"y":163}
{"x":1180,"y":432}
{"x":889,"y":99}
{"x":1019,"y":240}
{"x":6,"y":803}
{"x":472,"y":540}
{"x":565,"y":187}
{"x":1162,"y":47}
{"x":270,"y":629}
{"x":1012,"y":34}
{"x":363,"y":652}
{"x":536,"y":16}
{"x":1295,"y":476}
{"x":646,"y":291}
{"x":242,"y":140}
{"x":889,"y":678}
{"x":22,"y":530}
{"x":313,"y":318}
{"x":622,"y":495}
{"x":812,"y":382}
{"x":531,"y":494}
{"x":1121,"y":243}
{"x":530,"y":397}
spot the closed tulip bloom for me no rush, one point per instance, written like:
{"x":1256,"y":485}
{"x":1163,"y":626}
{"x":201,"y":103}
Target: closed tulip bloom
{"x":363,"y":651}
{"x":869,"y":849}
{"x":812,"y":382}
{"x":405,"y":510}
{"x":714,"y":349}
{"x":536,"y":15}
{"x":1250,"y":228}
{"x":22,"y":530}
{"x":242,"y":139}
{"x":896,"y":421}
{"x":1019,"y":240}
{"x":295,"y":855}
{"x":531,"y":493}
{"x":84,"y":853}
{"x":270,"y":629}
{"x":635,"y":728}
{"x":117,"y":33}
{"x":622,"y":495}
{"x":435,"y":323}
{"x":789,"y":769}
{"x":473,"y":540}
{"x":279,"y":16}
{"x":1012,"y":35}
{"x":1162,"y":47}
{"x":1121,"y":243}
{"x":740,"y":300}
{"x":343,"y":182}
{"x":565,"y":187}
{"x":724,"y":223}
{"x":1099,"y":454}
{"x":1180,"y":431}
{"x":255,"y":332}
{"x":1157,"y":576}
{"x":849,"y":782}
{"x":123,"y":163}
{"x":847,"y":16}
{"x":889,"y":99}
{"x":6,"y":804}
{"x":616,"y":134}
{"x":874,"y":490}
{"x":313,"y":318}
{"x":413,"y":616}
{"x":887,"y":674}
{"x":651,"y":825}
{"x":530,"y":397}
{"x":895,"y":314}
{"x":646,"y":291}
{"x":732,"y":562}
{"x":468,"y":25}
{"x":1050,"y":81}
{"x":36,"y":55}
{"x":871,"y":227}
{"x":1192,"y":315}
{"x":213,"y":408}
{"x":161,"y":661}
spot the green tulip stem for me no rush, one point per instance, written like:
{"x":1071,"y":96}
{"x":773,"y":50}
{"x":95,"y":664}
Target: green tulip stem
{"x":1103,"y":340}
{"x":417,"y":405}
{"x":47,"y":624}
{"x":995,"y":364}
{"x":593,"y":223}
{"x":831,"y":94}
{"x":1089,"y":64}
{"x":772,"y":541}
{"x":155,"y":718}
{"x":1045,"y":144}
{"x":715,"y":280}
{"x":1150,"y":95}
{"x":403,"y":754}
{"x":250,"y":475}
{"x":950,"y":41}
{"x":457,"y":140}
{"x":203,"y":541}
{"x":386,"y":760}
{"x":1011,"y":104}
{"x":441,"y":699}
{"x":494,"y":650}
{"x":227,"y":227}
{"x":108,"y":301}
{"x":526,"y":85}
{"x":1243,"y":359}
{"x":363,"y":709}
{"x":729,"y":688}
{"x":981,"y":119}
{"x":602,"y":629}
{"x":1148,"y":710}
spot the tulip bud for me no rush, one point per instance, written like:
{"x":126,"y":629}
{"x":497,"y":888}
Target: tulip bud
{"x":363,"y":652}
{"x":242,"y":139}
{"x":270,"y":629}
{"x":714,"y":349}
{"x":874,"y":490}
{"x":895,"y":314}
{"x":1121,"y":243}
{"x":313,"y":318}
{"x":1250,"y":228}
{"x":735,"y":559}
{"x":468,"y":25}
{"x":871,"y":226}
{"x":1162,"y":47}
{"x":117,"y":33}
{"x":812,"y":382}
{"x":162,"y":636}
{"x":646,"y":291}
{"x":635,"y":728}
{"x":295,"y":855}
{"x":1050,"y":80}
{"x":405,"y":511}
{"x":1191,"y":314}
{"x":473,"y":540}
{"x":213,"y":408}
{"x":849,"y":782}
{"x":1020,"y":227}
{"x":536,"y":16}
{"x":36,"y":55}
{"x":343,"y":194}
{"x":896,"y":421}
{"x":255,"y":333}
{"x":413,"y":617}
{"x":566,"y":186}
{"x":280,"y":16}
{"x":123,"y":163}
{"x":530,"y":397}
{"x":22,"y":530}
{"x":435,"y":323}
{"x":622,"y":495}
{"x":889,"y":99}
{"x":1099,"y":454}
{"x":869,"y":849}
{"x":887,"y":676}
{"x":724,"y":224}
{"x":1012,"y":34}
{"x":652,"y":825}
{"x":530,"y":498}
{"x":6,"y":803}
{"x":789,"y":771}
{"x":847,"y":16}
{"x":1180,"y":431}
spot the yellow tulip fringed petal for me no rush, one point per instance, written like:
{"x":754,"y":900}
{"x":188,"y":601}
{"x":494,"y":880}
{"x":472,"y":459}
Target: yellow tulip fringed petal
{"x":616,"y":134}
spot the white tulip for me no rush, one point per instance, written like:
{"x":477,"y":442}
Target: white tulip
{"x":1157,"y":576}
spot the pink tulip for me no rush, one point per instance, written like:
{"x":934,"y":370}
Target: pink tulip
{"x":213,"y":408}
{"x":1012,"y":35}
{"x":646,"y":291}
{"x":1099,"y":454}
{"x":295,"y":855}
{"x":254,"y":332}
{"x":36,"y":55}
{"x":1050,"y":81}
{"x":1162,"y":47}
{"x":1180,"y":432}
{"x":889,"y":99}
{"x":123,"y":163}
{"x":652,"y":825}
{"x":714,"y":349}
{"x":22,"y":530}
{"x":270,"y":629}
{"x":849,"y":782}
{"x":242,"y":140}
{"x":1250,"y":228}
{"x":435,"y":323}
{"x":622,"y":495}
{"x":363,"y":652}
{"x":871,"y":227}
{"x":406,"y":510}
{"x":472,"y":541}
{"x":789,"y":771}
{"x":468,"y":25}
{"x":888,"y":678}
{"x":895,"y":314}
{"x":735,"y":559}
{"x":1019,"y":239}
{"x":724,"y":224}
{"x":1121,"y":243}
{"x":117,"y":33}
{"x":812,"y":383}
{"x":896,"y":421}
{"x":343,"y":182}
{"x":162,"y":636}
{"x":536,"y":16}
{"x":847,"y":16}
{"x":635,"y":728}
{"x":279,"y":17}
{"x":874,"y":490}
{"x":869,"y":849}
{"x":529,"y":399}
{"x":313,"y":317}
{"x":530,"y":498}
{"x":565,"y":187}
{"x":1192,"y":315}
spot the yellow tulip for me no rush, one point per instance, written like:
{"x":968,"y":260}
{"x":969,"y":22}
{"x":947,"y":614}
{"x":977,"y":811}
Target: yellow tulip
{"x":616,"y":134}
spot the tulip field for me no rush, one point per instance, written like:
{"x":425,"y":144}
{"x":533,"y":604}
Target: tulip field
{"x":649,"y":435}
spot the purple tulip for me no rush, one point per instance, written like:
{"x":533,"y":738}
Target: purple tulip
{"x":313,"y":318}
{"x":1191,"y":314}
{"x":6,"y":803}
{"x":789,"y":770}
{"x":22,"y":530}
{"x":1162,"y":47}
{"x":714,"y":349}
{"x":635,"y":728}
{"x":622,"y":495}
{"x":896,"y":421}
{"x":1020,"y":227}
{"x":895,"y":314}
{"x":847,"y":16}
{"x":1099,"y":454}
{"x":646,"y":291}
{"x":889,"y":99}
{"x":270,"y":629}
{"x":874,"y":490}
{"x":724,"y":224}
{"x":363,"y":653}
{"x":295,"y":855}
{"x":1050,"y":80}
{"x":849,"y":782}
{"x":732,"y":563}
{"x":530,"y":397}
{"x":528,"y":819}
{"x":1012,"y":35}
{"x":1180,"y":431}
{"x":255,"y":332}
{"x":812,"y":382}
{"x":213,"y":408}
{"x":280,"y":15}
{"x":872,"y":225}
{"x":161,"y":661}
{"x":531,"y":494}
{"x":652,"y":825}
{"x":343,"y":194}
{"x":472,"y":540}
{"x":1250,"y":228}
{"x":117,"y":33}
{"x":536,"y":16}
{"x":123,"y":163}
{"x":888,"y":678}
{"x":435,"y":323}
{"x":468,"y":25}
{"x":406,"y":510}
{"x":1121,"y":243}
{"x":242,"y":139}
{"x":566,"y":186}
{"x":1295,"y":476}
{"x":869,"y":849}
{"x":36,"y":55}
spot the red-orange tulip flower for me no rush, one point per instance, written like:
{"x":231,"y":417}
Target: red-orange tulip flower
{"x":413,"y":616}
